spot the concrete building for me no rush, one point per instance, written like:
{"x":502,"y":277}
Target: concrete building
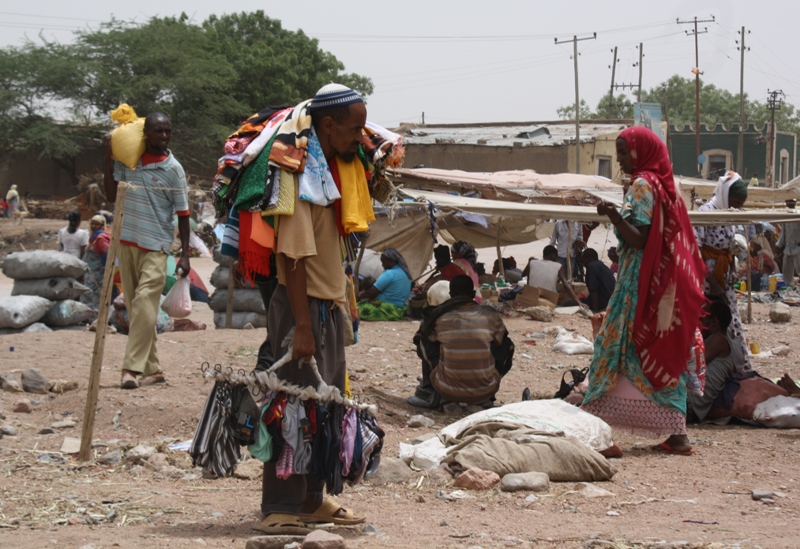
{"x":720,"y":144}
{"x":546,"y":147}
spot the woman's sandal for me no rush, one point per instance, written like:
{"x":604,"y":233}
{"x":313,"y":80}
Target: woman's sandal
{"x":327,"y":512}
{"x":285,"y":524}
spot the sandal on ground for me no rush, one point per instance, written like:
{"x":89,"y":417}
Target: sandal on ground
{"x":666,"y":448}
{"x":128,"y":380}
{"x":277,"y":524}
{"x":329,"y":511}
{"x":152,"y":379}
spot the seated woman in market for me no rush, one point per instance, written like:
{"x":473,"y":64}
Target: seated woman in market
{"x":386,"y":298}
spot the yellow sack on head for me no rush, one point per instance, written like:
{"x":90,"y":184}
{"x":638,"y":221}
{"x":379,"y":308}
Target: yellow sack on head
{"x":127,"y":140}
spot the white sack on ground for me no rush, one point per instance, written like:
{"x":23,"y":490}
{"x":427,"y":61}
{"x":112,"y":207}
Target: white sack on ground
{"x":572,"y":344}
{"x":244,"y":301}
{"x":42,"y":264}
{"x":21,"y":310}
{"x":54,"y":289}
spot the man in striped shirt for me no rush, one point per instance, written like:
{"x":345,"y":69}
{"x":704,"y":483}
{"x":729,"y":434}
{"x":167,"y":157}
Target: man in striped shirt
{"x":158,"y":192}
{"x":465,"y":350}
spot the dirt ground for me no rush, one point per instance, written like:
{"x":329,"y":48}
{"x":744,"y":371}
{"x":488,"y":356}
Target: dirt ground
{"x":46,"y":498}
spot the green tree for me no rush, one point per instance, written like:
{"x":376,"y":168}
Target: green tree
{"x":567,"y":112}
{"x":55,"y":99}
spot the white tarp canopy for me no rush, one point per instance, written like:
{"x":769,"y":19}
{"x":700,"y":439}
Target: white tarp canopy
{"x":586,"y":214}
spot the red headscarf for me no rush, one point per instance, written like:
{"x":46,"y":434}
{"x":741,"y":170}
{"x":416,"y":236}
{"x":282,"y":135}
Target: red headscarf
{"x":672,"y":270}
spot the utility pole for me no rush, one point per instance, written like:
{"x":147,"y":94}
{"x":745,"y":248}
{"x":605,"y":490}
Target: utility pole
{"x":613,"y":68}
{"x":575,"y":41}
{"x":641,"y":54}
{"x":774,"y":103}
{"x":740,"y":144}
{"x":697,"y":74}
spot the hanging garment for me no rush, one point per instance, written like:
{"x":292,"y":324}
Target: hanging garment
{"x":346,"y":450}
{"x":316,"y":180}
{"x":262,"y":449}
{"x":334,"y":483}
{"x":213,"y":447}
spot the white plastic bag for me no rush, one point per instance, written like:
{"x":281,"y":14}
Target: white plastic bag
{"x":178,"y":302}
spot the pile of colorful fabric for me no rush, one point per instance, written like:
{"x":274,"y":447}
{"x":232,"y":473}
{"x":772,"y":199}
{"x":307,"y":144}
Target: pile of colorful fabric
{"x":276,"y":151}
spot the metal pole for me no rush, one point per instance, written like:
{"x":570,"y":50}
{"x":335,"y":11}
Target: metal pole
{"x":93,"y":388}
{"x":696,"y":99}
{"x":641,"y":50}
{"x":749,"y":278}
{"x":740,"y":143}
{"x":577,"y":110}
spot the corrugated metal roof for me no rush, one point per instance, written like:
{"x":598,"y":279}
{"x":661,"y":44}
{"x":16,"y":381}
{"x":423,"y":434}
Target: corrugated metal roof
{"x":507,"y":136}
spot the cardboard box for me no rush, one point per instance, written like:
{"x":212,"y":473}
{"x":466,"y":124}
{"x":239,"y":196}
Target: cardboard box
{"x":531,"y":296}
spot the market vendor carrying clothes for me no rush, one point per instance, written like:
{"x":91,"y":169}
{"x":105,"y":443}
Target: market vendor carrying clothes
{"x":311,"y":298}
{"x":465,"y":350}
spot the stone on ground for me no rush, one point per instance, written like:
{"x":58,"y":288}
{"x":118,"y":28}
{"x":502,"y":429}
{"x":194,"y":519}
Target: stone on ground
{"x":157,"y":461}
{"x":477,"y":479}
{"x":140,"y":453}
{"x":9,"y":430}
{"x":250,"y":469}
{"x":320,"y":539}
{"x":541,"y":313}
{"x":758,"y":495}
{"x":71,"y":445}
{"x":271,"y":542}
{"x":780,"y":312}
{"x":591,"y":491}
{"x":420,"y":421}
{"x":531,"y":482}
{"x":63,"y":424}
{"x":781,"y":350}
{"x":391,"y":471}
{"x":110,"y":458}
{"x":33,"y":381}
{"x":11,"y":384}
{"x":22,"y":406}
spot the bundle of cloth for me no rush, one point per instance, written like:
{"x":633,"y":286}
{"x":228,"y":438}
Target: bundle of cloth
{"x":276,"y":151}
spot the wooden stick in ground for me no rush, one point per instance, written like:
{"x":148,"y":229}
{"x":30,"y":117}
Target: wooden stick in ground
{"x":569,"y":251}
{"x":502,"y":269}
{"x":100,"y":335}
{"x":229,"y":307}
{"x":358,"y":263}
{"x":749,"y":278}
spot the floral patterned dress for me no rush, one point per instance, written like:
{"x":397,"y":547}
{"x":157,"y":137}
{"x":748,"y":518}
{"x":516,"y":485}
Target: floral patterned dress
{"x":619,"y":392}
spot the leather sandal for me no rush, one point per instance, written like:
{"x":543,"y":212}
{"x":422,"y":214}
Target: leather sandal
{"x":282,"y":524}
{"x":128,"y":380}
{"x":329,"y":511}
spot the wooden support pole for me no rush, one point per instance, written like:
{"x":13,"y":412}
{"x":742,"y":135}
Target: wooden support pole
{"x":500,"y":253}
{"x":102,"y":325}
{"x":231,"y":289}
{"x":749,"y":279}
{"x":358,"y":263}
{"x":569,"y":250}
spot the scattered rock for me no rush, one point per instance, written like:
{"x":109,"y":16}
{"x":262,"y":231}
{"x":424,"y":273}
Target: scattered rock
{"x":416,"y":440}
{"x":420,"y":499}
{"x":248,"y":326}
{"x":420,"y":421}
{"x":22,"y":406}
{"x":157,"y":461}
{"x":33,"y":381}
{"x":768,"y":501}
{"x":391,"y":471}
{"x":439,"y":477}
{"x":64,"y":424}
{"x":781,"y":350}
{"x":9,"y":430}
{"x":477,"y":479}
{"x":293,"y":545}
{"x":201,"y":542}
{"x":613,"y":513}
{"x":172,"y":472}
{"x":370,"y":529}
{"x":71,"y":445}
{"x":590,"y":491}
{"x":531,"y":499}
{"x":758,"y":495}
{"x":46,"y":431}
{"x":780,"y":312}
{"x":140,"y":453}
{"x":250,"y":469}
{"x":532,"y":482}
{"x":62,"y":386}
{"x":11,"y":384}
{"x":271,"y":542}
{"x":2,"y":415}
{"x":541,"y":313}
{"x":110,"y":458}
{"x":320,"y":539}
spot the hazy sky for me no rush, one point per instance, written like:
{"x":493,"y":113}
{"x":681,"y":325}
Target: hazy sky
{"x":471,"y":61}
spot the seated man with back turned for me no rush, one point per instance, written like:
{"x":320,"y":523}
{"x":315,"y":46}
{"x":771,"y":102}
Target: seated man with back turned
{"x":600,"y":281}
{"x":465,"y":350}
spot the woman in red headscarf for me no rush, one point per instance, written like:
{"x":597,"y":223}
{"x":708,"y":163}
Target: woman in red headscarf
{"x":636,"y":379}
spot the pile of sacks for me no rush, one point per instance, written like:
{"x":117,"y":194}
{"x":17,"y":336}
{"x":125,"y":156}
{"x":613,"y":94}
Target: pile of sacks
{"x":45,"y":293}
{"x":248,"y":307}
